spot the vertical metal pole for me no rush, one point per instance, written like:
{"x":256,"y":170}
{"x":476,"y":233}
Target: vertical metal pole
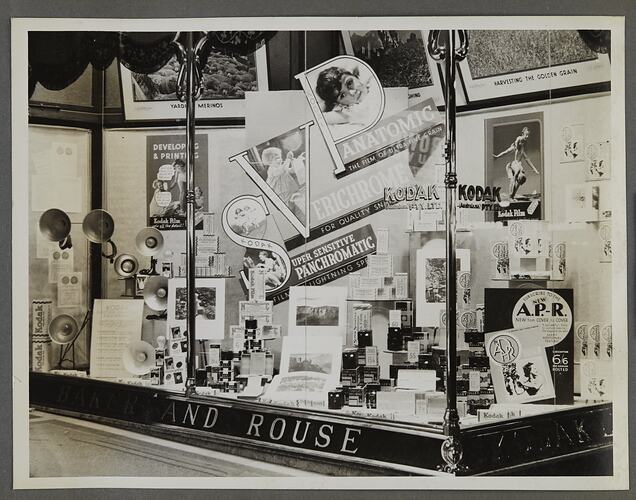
{"x":451,"y":417}
{"x":190,"y":267}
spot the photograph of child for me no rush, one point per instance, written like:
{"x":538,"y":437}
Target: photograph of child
{"x":349,"y":95}
{"x":282,"y":163}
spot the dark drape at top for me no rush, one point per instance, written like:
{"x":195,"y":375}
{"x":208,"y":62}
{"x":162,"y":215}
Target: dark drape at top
{"x":58,"y":58}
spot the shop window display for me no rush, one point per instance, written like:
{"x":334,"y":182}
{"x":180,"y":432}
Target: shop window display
{"x":319,"y":219}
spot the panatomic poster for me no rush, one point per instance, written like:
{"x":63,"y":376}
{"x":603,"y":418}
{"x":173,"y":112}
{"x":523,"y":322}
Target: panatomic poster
{"x":349,"y":106}
{"x":166,"y":182}
{"x":334,"y":202}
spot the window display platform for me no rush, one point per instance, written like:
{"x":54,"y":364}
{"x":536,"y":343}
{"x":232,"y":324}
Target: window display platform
{"x":333,"y":443}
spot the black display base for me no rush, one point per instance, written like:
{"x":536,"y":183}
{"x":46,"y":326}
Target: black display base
{"x":331,"y":443}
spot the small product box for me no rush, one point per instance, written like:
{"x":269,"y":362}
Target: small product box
{"x":394,"y":339}
{"x":335,"y":400}
{"x":370,"y":374}
{"x":356,"y":396}
{"x":365,"y":338}
{"x":349,"y":359}
{"x":371,"y":356}
{"x":362,"y":356}
{"x":349,"y":377}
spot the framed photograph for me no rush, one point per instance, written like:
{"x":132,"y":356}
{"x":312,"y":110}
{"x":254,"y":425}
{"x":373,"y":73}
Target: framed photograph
{"x":400,"y":59}
{"x":318,"y":310}
{"x":430,"y":293}
{"x":226,"y":79}
{"x":503,"y":63}
{"x":515,"y":162}
{"x":210,"y":297}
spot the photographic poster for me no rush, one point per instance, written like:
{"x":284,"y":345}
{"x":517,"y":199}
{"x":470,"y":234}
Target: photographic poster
{"x":226,"y":80}
{"x":279,"y":168}
{"x":348,"y":104}
{"x":318,"y":310}
{"x":430,"y":292}
{"x":166,"y":182}
{"x":519,"y":366}
{"x":502,"y":63}
{"x":210,"y":306}
{"x":514,"y":162}
{"x":400,"y":58}
{"x":549,"y":310}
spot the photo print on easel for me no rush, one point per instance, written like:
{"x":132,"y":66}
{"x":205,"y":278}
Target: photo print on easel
{"x":318,"y":310}
{"x":166,"y":181}
{"x":514,"y":162}
{"x":279,"y":167}
{"x":502,"y":63}
{"x":400,"y":59}
{"x":210,"y":306}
